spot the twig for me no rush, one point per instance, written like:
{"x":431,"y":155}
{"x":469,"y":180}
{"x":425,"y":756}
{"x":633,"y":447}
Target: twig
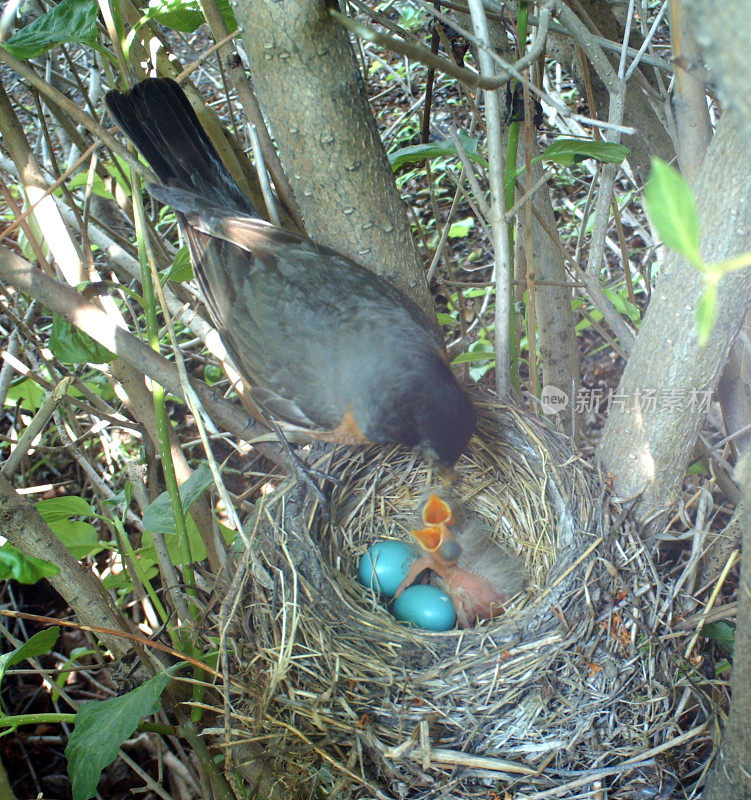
{"x":734,"y":556}
{"x":419,"y":53}
{"x":605,"y":44}
{"x":91,"y":319}
{"x":36,"y":426}
{"x":498,"y":227}
{"x":76,"y":114}
{"x":647,"y":40}
{"x":514,"y":72}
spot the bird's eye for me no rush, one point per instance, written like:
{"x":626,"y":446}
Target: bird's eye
{"x":451,"y":550}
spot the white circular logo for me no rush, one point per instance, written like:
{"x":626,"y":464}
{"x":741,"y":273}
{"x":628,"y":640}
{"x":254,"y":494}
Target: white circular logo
{"x":553,"y":400}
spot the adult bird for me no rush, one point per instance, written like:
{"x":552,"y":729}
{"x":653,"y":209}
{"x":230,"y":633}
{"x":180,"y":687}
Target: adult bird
{"x":327,"y":345}
{"x":479,"y":576}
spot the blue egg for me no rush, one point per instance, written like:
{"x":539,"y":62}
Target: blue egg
{"x":426,"y":607}
{"x":385,"y":565}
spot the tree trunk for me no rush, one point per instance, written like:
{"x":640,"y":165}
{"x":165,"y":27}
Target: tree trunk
{"x":308,"y":83}
{"x":647,"y":447}
{"x":559,"y":358}
{"x":730,"y":775}
{"x":722,"y":32}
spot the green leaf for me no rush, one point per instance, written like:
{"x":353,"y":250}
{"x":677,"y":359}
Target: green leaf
{"x":65,"y":670}
{"x":411,"y":17}
{"x":475,"y":355}
{"x":697,"y":468}
{"x":672,"y":209}
{"x":445,"y":319}
{"x":118,"y":168}
{"x":68,"y":21}
{"x":81,"y":538}
{"x":568,"y":151}
{"x":185,"y":17}
{"x":102,"y":726}
{"x":705,"y":312}
{"x":72,"y":346}
{"x":173,"y":542}
{"x":158,"y":518}
{"x":422,"y":152}
{"x":97,"y":185}
{"x":227,"y":534}
{"x":212,"y":374}
{"x":64,"y":508}
{"x":39,"y":644}
{"x":623,"y":305}
{"x":480,"y":356}
{"x":23,"y":568}
{"x":461,"y":228}
{"x":98,"y":384}
{"x":28,"y":392}
{"x":121,"y":582}
{"x":182,"y":269}
{"x":177,"y":15}
{"x":721,"y":632}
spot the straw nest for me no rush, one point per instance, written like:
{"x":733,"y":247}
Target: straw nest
{"x":340,"y":695}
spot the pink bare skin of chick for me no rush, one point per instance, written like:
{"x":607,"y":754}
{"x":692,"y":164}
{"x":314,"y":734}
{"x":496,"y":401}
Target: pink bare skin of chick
{"x":478,"y":576}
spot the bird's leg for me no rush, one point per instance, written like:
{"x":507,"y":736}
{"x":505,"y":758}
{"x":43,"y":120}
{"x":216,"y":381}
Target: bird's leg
{"x":305,"y":472}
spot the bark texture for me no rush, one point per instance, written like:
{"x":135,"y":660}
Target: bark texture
{"x":646,"y":446}
{"x":730,"y":776}
{"x":559,"y":358}
{"x":722,"y":31}
{"x":309,"y":85}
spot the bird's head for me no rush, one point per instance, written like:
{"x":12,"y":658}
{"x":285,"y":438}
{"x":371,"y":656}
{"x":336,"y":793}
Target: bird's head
{"x":445,"y":418}
{"x":437,"y":538}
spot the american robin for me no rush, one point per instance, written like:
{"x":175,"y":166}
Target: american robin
{"x":478,"y":575}
{"x":327,"y":345}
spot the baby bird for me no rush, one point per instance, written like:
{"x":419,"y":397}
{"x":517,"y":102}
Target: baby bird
{"x":477,"y":574}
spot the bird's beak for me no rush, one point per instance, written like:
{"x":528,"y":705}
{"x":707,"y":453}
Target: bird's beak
{"x":429,"y":538}
{"x":448,"y":476}
{"x":440,"y":543}
{"x":437,"y":512}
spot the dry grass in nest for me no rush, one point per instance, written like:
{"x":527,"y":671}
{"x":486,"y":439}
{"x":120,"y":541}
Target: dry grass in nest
{"x":338,"y":691}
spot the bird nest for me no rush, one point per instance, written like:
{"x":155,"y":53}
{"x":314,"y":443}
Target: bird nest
{"x":338,"y":694}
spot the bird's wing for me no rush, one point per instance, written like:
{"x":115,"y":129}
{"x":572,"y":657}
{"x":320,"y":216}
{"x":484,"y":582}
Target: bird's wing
{"x":303,"y":322}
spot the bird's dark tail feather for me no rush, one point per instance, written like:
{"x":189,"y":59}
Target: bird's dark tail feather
{"x":157,"y":117}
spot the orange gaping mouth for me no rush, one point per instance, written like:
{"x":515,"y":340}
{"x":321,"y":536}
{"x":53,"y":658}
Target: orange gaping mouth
{"x":429,"y":538}
{"x":437,"y":512}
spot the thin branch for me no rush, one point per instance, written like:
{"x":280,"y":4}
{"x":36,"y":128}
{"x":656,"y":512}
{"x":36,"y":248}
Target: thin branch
{"x":562,"y":109}
{"x":75,"y":113}
{"x":36,"y":426}
{"x":99,"y":325}
{"x":647,"y":40}
{"x":498,"y":227}
{"x":418,"y":53}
